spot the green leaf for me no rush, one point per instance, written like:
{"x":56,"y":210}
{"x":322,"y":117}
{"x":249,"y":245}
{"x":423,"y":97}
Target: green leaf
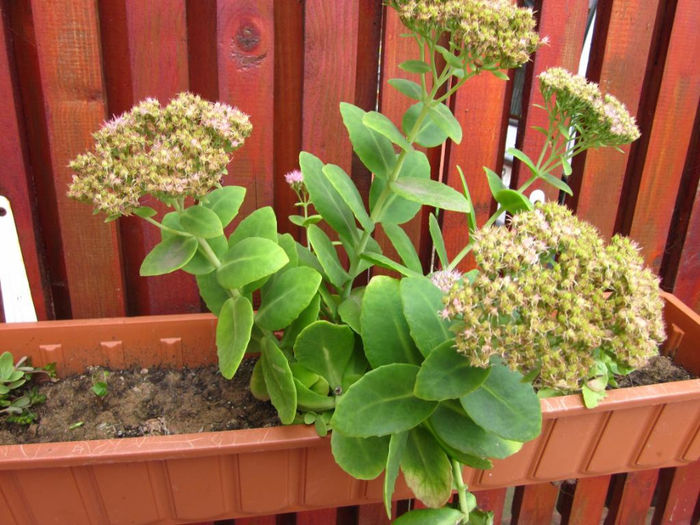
{"x":404,"y":246}
{"x":225,"y":202}
{"x":382,"y":403}
{"x":446,"y":121}
{"x":446,"y":374}
{"x":450,"y":58}
{"x":513,"y":201}
{"x":374,"y":150}
{"x":351,"y":308}
{"x":327,"y":201}
{"x":444,"y":516}
{"x":325,"y":348}
{"x":261,"y":223}
{"x":327,"y":256}
{"x":397,"y":445}
{"x":279,"y":381}
{"x":407,"y":87}
{"x":422,"y":304}
{"x":429,"y":134}
{"x":289,"y":245}
{"x":460,"y":432}
{"x":169,"y":255}
{"x":213,"y":294}
{"x":145,"y":212}
{"x":287,"y":297}
{"x":495,"y":181}
{"x":201,"y":222}
{"x":356,"y":367}
{"x":505,"y":406}
{"x":385,"y":332}
{"x":426,"y":468}
{"x":389,"y":264}
{"x":431,"y":193}
{"x":522,"y":157}
{"x":200,"y":264}
{"x":257,"y":383}
{"x":346,"y":188}
{"x":384,"y":126}
{"x":566,"y":166}
{"x":397,"y":210}
{"x":591,"y":397}
{"x":233,"y":330}
{"x":250,"y":260}
{"x":415,"y":66}
{"x":305,"y":318}
{"x":307,"y":399}
{"x":362,"y":458}
{"x":438,"y":241}
{"x":557,"y":183}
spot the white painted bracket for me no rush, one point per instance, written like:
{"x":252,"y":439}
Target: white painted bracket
{"x":16,"y":295}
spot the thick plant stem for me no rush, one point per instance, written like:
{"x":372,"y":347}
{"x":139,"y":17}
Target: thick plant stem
{"x":461,"y":487}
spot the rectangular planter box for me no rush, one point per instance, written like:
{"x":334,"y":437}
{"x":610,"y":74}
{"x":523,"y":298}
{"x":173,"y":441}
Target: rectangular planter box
{"x":216,"y":475}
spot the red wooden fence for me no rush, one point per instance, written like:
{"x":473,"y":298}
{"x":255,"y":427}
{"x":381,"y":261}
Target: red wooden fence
{"x":67,"y":65}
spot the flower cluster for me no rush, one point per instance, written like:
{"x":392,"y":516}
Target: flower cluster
{"x":488,"y":33}
{"x":602,"y":120}
{"x":170,"y":152}
{"x":550,"y":294}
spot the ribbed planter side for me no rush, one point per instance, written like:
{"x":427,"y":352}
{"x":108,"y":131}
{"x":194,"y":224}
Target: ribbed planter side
{"x":181,"y":478}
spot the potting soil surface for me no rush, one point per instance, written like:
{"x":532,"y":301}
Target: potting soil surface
{"x":159,"y":402}
{"x":143,"y":402}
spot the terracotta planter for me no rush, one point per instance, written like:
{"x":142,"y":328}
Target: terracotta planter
{"x":172,"y":479}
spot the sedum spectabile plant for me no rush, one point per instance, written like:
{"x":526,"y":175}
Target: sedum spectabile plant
{"x":418,"y":374}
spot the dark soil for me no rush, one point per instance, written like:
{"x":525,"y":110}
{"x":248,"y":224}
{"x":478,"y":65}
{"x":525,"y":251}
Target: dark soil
{"x":659,"y":369}
{"x":143,"y":402}
{"x":157,"y":401}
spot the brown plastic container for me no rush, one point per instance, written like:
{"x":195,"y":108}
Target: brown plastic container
{"x":208,"y":476}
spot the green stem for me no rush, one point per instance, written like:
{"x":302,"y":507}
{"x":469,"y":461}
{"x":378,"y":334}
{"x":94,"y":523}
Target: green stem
{"x":166,"y":228}
{"x":461,"y":487}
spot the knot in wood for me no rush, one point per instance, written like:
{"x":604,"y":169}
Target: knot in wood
{"x":247,"y":37}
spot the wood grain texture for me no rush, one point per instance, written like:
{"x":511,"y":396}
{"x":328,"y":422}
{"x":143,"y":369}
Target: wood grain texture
{"x":492,"y":500}
{"x":534,"y":504}
{"x":317,"y":517}
{"x":246,"y":55}
{"x":589,"y":500}
{"x":619,"y":56}
{"x":289,"y":85}
{"x":634,"y":498}
{"x":61,"y":74}
{"x":330,"y":63}
{"x":687,"y":283}
{"x":16,"y":183}
{"x":679,"y":499}
{"x":564,"y":23}
{"x":669,"y":136}
{"x":145,"y":55}
{"x":481,"y":108}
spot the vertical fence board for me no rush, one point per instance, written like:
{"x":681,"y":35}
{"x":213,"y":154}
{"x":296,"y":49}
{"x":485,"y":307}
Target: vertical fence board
{"x":246,"y":54}
{"x":330,"y":62}
{"x":687,"y":285}
{"x":15,"y":180}
{"x":534,"y":504}
{"x":669,"y":136}
{"x":396,"y":49}
{"x":145,"y":55}
{"x":317,"y":517}
{"x":289,"y":85}
{"x":589,"y":500}
{"x":60,"y":70}
{"x":634,"y":498}
{"x":618,"y":63}
{"x":493,"y":500}
{"x":564,"y":23}
{"x":481,"y":109}
{"x":678,"y":503}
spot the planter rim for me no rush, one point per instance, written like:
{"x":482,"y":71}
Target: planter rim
{"x":41,"y":455}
